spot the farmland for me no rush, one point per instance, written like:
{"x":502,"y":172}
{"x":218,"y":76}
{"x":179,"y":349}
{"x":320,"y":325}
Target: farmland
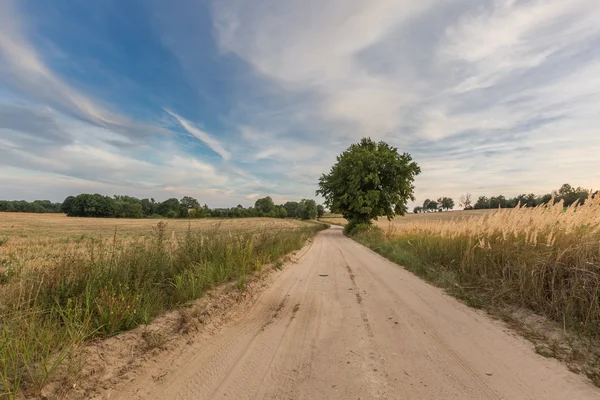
{"x":383,"y":223}
{"x":66,"y":280}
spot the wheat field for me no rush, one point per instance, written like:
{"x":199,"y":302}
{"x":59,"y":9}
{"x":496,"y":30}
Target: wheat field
{"x":65,"y":280}
{"x":383,"y":223}
{"x":545,"y":258}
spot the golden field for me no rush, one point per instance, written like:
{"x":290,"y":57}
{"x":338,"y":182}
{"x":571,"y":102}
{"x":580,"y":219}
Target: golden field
{"x":383,"y":223}
{"x":39,"y":238}
{"x":64,"y":281}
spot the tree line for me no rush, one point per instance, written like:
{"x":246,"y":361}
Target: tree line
{"x":97,"y":205}
{"x":36,"y":206}
{"x":441,"y":204}
{"x":568,"y":194}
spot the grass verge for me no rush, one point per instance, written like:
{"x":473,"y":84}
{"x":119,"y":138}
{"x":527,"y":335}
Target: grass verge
{"x":106,"y":287}
{"x":545,"y":260}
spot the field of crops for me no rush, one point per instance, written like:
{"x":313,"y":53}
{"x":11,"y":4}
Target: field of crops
{"x":66,"y":280}
{"x":383,"y":223}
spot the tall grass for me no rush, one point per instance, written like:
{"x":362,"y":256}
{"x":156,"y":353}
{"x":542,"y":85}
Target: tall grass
{"x":104,"y":287}
{"x":546,"y":259}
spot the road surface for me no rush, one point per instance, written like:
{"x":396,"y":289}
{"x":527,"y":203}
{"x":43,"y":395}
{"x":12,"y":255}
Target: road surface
{"x":344,"y":323}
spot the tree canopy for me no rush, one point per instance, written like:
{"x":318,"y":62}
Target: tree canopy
{"x":369,"y":180}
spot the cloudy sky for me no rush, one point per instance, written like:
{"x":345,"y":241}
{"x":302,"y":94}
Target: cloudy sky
{"x":228,"y":100}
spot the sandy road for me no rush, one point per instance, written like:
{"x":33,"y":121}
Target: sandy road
{"x":344,"y":323}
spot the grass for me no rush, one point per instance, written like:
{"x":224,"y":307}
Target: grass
{"x":67,"y":290}
{"x":544,"y":259}
{"x":383,"y":223}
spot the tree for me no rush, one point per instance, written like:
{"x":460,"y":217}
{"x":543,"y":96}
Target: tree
{"x":148,"y":207}
{"x":67,"y":205}
{"x":320,"y":211}
{"x":432,"y":206}
{"x":265,"y":204}
{"x":169,"y":208}
{"x":498,"y":202}
{"x":369,"y":180}
{"x":482,"y":203}
{"x":189,"y":202}
{"x":291,"y":207}
{"x":445,"y":203}
{"x":282,"y":212}
{"x":465,"y":202}
{"x":425,"y":207}
{"x":418,"y":209}
{"x":307,"y":209}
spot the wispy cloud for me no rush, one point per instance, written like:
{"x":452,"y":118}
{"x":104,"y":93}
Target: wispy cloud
{"x":22,"y":64}
{"x":211,"y":142}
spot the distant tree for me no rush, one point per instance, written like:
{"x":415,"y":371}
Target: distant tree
{"x":169,"y":208}
{"x":320,"y":210}
{"x":432,"y":206}
{"x":418,"y":209}
{"x":482,"y":203}
{"x":265,"y":204}
{"x":67,"y":205}
{"x":369,"y":180}
{"x":93,"y":205}
{"x":546,"y":199}
{"x":498,"y":202}
{"x":148,"y":207}
{"x":307,"y":209}
{"x":445,"y":203}
{"x":189,"y":202}
{"x":425,"y":207}
{"x":570,"y":195}
{"x":465,"y":202}
{"x":291,"y":208}
{"x":282,"y":212}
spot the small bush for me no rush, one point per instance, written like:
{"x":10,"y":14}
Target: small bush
{"x":354,"y":227}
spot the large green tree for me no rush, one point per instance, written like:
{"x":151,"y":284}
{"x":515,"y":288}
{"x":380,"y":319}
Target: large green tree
{"x":265,"y":204}
{"x":307,"y":209}
{"x":369,"y":180}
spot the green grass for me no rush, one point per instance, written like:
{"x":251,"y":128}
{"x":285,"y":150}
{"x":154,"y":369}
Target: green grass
{"x":47,"y":313}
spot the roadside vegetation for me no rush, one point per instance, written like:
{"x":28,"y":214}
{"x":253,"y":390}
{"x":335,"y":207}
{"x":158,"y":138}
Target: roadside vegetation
{"x":70,"y":290}
{"x":545,"y":259}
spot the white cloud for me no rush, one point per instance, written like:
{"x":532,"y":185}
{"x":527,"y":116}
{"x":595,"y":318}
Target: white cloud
{"x":514,"y":35}
{"x":26,"y":69}
{"x":487,"y":95}
{"x":211,"y":142}
{"x":313,"y":45}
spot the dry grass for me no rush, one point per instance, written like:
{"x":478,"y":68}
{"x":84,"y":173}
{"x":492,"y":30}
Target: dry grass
{"x":37,"y":239}
{"x":544,"y":259}
{"x":66,"y":280}
{"x":383,"y":223}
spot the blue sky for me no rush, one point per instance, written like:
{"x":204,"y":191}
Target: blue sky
{"x":230,"y":100}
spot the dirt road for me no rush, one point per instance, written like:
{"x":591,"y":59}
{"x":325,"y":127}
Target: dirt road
{"x":344,"y":323}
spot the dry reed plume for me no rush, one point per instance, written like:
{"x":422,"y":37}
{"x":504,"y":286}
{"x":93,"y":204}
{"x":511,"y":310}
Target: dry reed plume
{"x":546,"y":258}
